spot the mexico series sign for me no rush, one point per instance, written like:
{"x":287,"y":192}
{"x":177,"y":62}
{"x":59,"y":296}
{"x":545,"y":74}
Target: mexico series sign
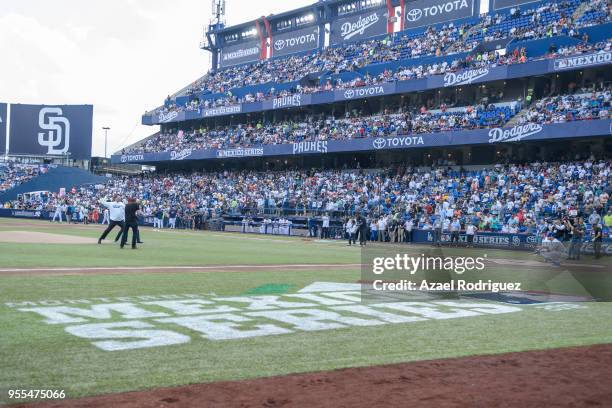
{"x":240,"y":54}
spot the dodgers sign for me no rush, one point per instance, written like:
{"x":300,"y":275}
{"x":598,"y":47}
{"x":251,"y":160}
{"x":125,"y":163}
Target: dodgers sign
{"x":359,"y":27}
{"x":3,"y":122}
{"x":54,"y":130}
{"x":422,"y":13}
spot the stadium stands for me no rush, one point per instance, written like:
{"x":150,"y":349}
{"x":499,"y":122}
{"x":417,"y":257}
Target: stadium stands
{"x":13,"y":174}
{"x":543,"y":20}
{"x":423,"y":121}
{"x":567,"y":108}
{"x":525,"y":198}
{"x":564,"y":108}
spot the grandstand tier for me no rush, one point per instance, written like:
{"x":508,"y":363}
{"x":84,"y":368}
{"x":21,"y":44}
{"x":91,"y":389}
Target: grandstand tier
{"x":521,"y":72}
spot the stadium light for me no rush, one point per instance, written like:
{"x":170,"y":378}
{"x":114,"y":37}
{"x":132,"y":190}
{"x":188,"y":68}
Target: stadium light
{"x":106,"y":129}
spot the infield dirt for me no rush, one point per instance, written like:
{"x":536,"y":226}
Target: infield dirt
{"x":568,"y":377}
{"x":35,"y":237}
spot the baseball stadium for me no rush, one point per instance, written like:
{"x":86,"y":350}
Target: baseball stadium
{"x":354,"y":203}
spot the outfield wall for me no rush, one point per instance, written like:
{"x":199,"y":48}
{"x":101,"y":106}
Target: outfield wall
{"x":523,"y":242}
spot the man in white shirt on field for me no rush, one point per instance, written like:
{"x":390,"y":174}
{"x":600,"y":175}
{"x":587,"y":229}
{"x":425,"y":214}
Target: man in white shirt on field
{"x":58,"y":212}
{"x":470,"y":231}
{"x":325,"y":227}
{"x":116,"y":210}
{"x":106,"y":219}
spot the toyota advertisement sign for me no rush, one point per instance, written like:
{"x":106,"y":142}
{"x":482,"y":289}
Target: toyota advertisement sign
{"x":51,"y":130}
{"x":422,"y":13}
{"x":242,"y":53}
{"x":295,"y":41}
{"x":359,"y":26}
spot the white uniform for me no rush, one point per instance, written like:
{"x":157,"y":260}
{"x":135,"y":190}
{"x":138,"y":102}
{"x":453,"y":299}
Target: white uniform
{"x":106,"y":220}
{"x":57,"y":213}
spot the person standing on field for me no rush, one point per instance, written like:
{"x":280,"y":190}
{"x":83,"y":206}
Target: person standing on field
{"x":85,"y":216}
{"x":362,"y":225}
{"x":132,"y":209}
{"x":172,"y":218}
{"x":470,"y":231}
{"x":106,"y":218}
{"x":117,"y":217}
{"x":57,"y":213}
{"x":455,"y":227}
{"x":325,"y":226}
{"x":349,"y":228}
{"x":437,"y":227}
{"x":597,"y":239}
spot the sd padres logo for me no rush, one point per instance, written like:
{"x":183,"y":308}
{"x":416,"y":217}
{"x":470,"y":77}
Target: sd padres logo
{"x":58,"y":127}
{"x":379,"y":143}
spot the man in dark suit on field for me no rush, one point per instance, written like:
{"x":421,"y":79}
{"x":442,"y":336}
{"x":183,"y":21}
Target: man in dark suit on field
{"x":362,"y":225}
{"x":131,"y":221}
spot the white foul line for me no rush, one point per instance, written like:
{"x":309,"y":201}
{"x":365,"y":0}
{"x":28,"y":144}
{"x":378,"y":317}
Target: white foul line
{"x":144,"y":268}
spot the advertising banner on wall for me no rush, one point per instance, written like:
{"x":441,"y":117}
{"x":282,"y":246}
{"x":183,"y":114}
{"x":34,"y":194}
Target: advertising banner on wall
{"x":582,"y":61}
{"x":423,"y":13}
{"x":511,"y":134}
{"x":55,"y":130}
{"x":242,"y":53}
{"x":295,"y":41}
{"x":359,"y":26}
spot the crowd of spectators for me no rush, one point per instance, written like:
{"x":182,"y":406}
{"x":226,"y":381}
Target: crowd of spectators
{"x":424,"y":120}
{"x":568,"y":108}
{"x":403,"y":73}
{"x":13,"y":174}
{"x":333,"y":59}
{"x":578,"y":104}
{"x":525,"y":198}
{"x":544,"y":20}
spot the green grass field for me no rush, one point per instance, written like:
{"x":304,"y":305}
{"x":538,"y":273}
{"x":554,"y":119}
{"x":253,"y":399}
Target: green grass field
{"x":230,"y":335}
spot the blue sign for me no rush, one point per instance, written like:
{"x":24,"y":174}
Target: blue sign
{"x":422,"y":13}
{"x":51,"y":130}
{"x":517,"y":133}
{"x":295,"y":41}
{"x":290,"y":101}
{"x":365,"y":92}
{"x":11,"y":213}
{"x":581,"y":61}
{"x":501,"y":240}
{"x":359,"y":27}
{"x":3,"y":123}
{"x":242,"y":53}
